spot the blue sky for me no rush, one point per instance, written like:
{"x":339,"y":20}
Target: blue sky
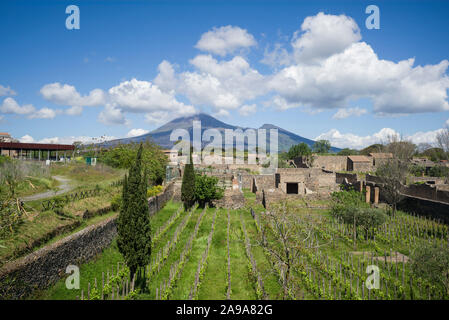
{"x":134,"y":65}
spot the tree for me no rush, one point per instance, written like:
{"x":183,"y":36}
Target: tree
{"x":322,"y":146}
{"x":299,"y":150}
{"x":393,"y":174}
{"x":206,"y":189}
{"x":188,"y":184}
{"x":443,"y":141}
{"x":431,"y":262}
{"x":347,"y":152}
{"x":400,"y":148}
{"x":133,"y":223}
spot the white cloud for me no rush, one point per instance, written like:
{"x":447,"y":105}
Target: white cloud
{"x":145,"y":97}
{"x":26,"y":139}
{"x":350,"y":140}
{"x":6,"y":91}
{"x":66,"y":140}
{"x":347,"y":112}
{"x":136,"y":132}
{"x":225,"y":40}
{"x":166,"y":78}
{"x":10,"y":106}
{"x":44,"y":113}
{"x":323,"y":36}
{"x":67,"y":95}
{"x":224,"y":84}
{"x":111,"y":115}
{"x":447,"y":123}
{"x":110,"y":59}
{"x":279,"y":56}
{"x":247,"y":110}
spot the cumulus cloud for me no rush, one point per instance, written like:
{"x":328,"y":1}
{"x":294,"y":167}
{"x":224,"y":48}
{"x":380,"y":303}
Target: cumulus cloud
{"x":221,"y":84}
{"x":67,"y":95}
{"x":6,"y":91}
{"x":348,"y":112}
{"x":145,"y":97}
{"x":26,"y":139}
{"x":44,"y":113}
{"x":136,"y":132}
{"x":353,"y":141}
{"x":225,"y":40}
{"x":324,"y":35}
{"x":111,"y":115}
{"x":10,"y":106}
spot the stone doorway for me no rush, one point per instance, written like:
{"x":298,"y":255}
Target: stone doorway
{"x":292,"y":188}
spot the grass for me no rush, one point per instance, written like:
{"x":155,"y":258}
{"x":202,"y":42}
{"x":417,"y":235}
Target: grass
{"x":41,"y":227}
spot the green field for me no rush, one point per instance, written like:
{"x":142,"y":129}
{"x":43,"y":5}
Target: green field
{"x":328,"y":263}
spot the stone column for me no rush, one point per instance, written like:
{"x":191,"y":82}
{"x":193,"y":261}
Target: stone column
{"x":368,"y":194}
{"x":376,"y":195}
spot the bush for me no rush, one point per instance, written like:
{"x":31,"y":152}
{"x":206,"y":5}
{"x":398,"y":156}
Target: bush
{"x":206,"y":189}
{"x":417,"y":170}
{"x":154,"y":191}
{"x":366,"y":218}
{"x":116,"y":202}
{"x":344,"y":199}
{"x":439,"y":171}
{"x":431,"y":262}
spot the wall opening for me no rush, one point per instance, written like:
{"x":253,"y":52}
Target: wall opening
{"x":292,"y":188}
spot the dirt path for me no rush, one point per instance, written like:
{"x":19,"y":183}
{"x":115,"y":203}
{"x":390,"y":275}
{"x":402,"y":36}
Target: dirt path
{"x":62,"y":188}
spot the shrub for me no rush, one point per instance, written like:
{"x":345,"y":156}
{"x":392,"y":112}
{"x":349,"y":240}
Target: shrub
{"x":366,"y":218}
{"x":344,"y":199}
{"x":154,"y":191}
{"x":439,"y":171}
{"x":116,"y":202}
{"x":417,"y":170}
{"x":431,"y":262}
{"x":206,"y":189}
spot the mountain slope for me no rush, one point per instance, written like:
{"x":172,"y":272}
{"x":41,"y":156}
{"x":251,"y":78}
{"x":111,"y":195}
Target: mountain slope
{"x":161,"y":135}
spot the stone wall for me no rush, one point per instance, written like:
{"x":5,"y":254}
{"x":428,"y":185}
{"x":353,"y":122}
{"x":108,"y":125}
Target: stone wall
{"x":156,"y":203}
{"x":340,"y":177}
{"x":334,"y":163}
{"x":44,"y":267}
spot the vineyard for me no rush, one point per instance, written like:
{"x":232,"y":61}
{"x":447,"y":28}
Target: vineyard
{"x":252,"y":253}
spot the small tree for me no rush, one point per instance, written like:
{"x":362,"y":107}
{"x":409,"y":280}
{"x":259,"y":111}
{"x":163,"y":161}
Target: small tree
{"x":322,"y":146}
{"x":207,"y":190}
{"x":393,"y":174}
{"x":299,"y":150}
{"x":133,"y":224}
{"x":431,"y":262}
{"x":188,"y":184}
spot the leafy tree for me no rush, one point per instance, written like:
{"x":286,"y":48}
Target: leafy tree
{"x":374,"y":148}
{"x":299,"y":150}
{"x":133,"y":224}
{"x":206,"y":189}
{"x":322,"y":146}
{"x":431,"y":262}
{"x":188,"y":184}
{"x":124,"y":156}
{"x":417,"y":170}
{"x":366,"y":218}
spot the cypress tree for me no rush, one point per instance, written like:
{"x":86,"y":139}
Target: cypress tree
{"x":133,"y":223}
{"x":188,"y":184}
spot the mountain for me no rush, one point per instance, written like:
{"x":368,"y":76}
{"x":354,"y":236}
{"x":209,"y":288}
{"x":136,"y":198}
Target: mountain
{"x":161,"y":135}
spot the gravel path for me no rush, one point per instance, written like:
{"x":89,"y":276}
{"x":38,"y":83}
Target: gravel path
{"x":62,"y":188}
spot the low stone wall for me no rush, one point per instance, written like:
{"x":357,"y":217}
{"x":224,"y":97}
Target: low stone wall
{"x":42,"y":268}
{"x":156,"y":203}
